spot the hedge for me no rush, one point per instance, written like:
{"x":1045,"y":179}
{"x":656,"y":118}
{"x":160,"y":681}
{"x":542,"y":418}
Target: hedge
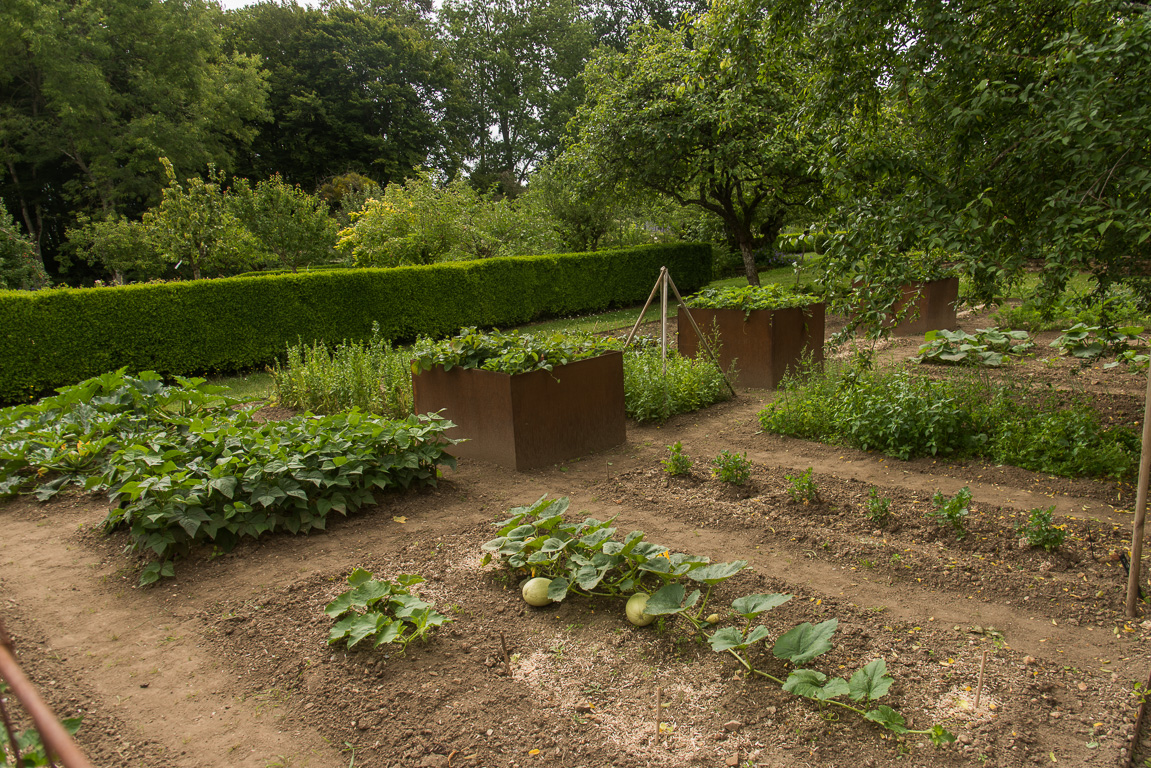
{"x":57,"y":337}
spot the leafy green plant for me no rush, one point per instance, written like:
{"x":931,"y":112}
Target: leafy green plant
{"x":689,"y":384}
{"x":371,"y":376}
{"x":586,"y":559}
{"x":1041,"y":531}
{"x":505,"y":352}
{"x":677,"y":463}
{"x":731,"y":468}
{"x":953,"y":511}
{"x":65,"y":439}
{"x":381,"y":611}
{"x":803,"y":488}
{"x":236,"y":478}
{"x":751,"y":297}
{"x":988,"y":346}
{"x":878,"y":507}
{"x":1088,"y":342}
{"x":910,"y":415}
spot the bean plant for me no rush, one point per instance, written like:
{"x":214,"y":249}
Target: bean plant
{"x":677,"y":463}
{"x":802,"y":488}
{"x":1041,"y":531}
{"x":732,"y":468}
{"x":953,"y":511}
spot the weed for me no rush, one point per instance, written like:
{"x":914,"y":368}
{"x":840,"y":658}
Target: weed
{"x":803,"y":488}
{"x":677,"y":463}
{"x":952,"y":511}
{"x":1041,"y":532}
{"x":733,"y":468}
{"x":878,"y":508}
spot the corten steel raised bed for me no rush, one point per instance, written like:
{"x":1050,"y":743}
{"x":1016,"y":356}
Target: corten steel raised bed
{"x":764,"y":343}
{"x":529,"y":420}
{"x":936,"y":303}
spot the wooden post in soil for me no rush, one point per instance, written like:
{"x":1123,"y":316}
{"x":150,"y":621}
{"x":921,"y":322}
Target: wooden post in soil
{"x":1133,"y":576}
{"x":661,"y":284}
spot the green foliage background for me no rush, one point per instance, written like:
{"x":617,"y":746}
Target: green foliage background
{"x":52,"y":338}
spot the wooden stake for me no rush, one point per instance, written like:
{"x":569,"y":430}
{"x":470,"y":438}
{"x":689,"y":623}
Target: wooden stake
{"x":979,"y":687}
{"x":699,"y":333}
{"x":1140,"y":508}
{"x":507,"y":659}
{"x":663,"y":280}
{"x":658,"y":709}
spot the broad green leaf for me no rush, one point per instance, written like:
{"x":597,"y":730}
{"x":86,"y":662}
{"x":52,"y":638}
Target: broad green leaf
{"x":750,"y":606}
{"x":756,"y":635}
{"x":805,"y":682}
{"x":365,"y":625}
{"x":940,"y":736}
{"x":871,"y":681}
{"x":888,"y":718}
{"x":728,"y":638}
{"x":803,"y":643}
{"x":558,"y":590}
{"x":670,"y":599}
{"x":358,"y":577}
{"x":388,"y":631}
{"x":716,"y":572}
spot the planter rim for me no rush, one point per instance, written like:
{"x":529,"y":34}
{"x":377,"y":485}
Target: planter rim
{"x":605,"y":353}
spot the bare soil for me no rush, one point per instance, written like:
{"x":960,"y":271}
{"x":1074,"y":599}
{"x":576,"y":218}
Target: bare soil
{"x":228,"y":664}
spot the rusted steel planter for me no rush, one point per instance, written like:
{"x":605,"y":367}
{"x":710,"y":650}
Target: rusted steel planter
{"x":529,"y":420}
{"x":765,"y":343}
{"x":936,"y":304}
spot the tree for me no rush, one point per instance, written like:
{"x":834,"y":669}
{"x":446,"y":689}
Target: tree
{"x":120,"y":245}
{"x":519,"y":62}
{"x":1026,"y":127}
{"x":20,"y":269}
{"x":194,"y":224}
{"x":292,"y":225}
{"x":689,"y":114}
{"x":358,"y":88}
{"x":92,"y":92}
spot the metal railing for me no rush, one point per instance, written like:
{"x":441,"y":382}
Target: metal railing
{"x":58,"y":743}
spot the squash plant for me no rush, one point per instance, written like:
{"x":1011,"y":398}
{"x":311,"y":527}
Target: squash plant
{"x":585,"y":558}
{"x":509,"y":353}
{"x":381,"y":610}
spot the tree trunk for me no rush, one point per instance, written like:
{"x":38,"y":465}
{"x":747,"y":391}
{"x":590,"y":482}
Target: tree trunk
{"x":748,"y":254}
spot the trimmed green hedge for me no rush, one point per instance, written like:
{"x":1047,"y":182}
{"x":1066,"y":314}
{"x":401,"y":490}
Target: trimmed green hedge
{"x":53,"y":338}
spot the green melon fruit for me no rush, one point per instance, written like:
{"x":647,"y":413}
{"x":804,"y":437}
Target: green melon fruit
{"x":536,"y":591}
{"x":635,"y":605}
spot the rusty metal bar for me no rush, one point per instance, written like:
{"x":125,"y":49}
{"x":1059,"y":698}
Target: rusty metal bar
{"x":57,"y":741}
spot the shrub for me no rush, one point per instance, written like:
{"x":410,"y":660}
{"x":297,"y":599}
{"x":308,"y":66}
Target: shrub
{"x":54,"y":338}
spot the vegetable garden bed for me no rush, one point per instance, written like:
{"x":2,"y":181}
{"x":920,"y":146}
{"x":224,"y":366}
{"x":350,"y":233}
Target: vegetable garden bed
{"x":533,"y":419}
{"x":230,"y":662}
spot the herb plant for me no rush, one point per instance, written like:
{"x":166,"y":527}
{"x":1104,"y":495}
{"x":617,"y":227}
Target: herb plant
{"x":382,"y":611}
{"x":803,"y":488}
{"x":371,"y":376}
{"x":731,"y":468}
{"x":878,"y":507}
{"x":952,"y":511}
{"x":1041,"y":531}
{"x":689,"y":384}
{"x":677,"y":463}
